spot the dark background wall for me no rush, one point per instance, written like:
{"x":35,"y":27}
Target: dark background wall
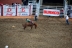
{"x":54,"y":2}
{"x":10,"y":1}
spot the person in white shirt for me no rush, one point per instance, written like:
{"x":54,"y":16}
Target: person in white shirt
{"x":67,"y":18}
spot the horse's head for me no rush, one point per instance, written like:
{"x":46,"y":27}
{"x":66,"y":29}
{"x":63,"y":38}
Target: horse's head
{"x":24,"y":25}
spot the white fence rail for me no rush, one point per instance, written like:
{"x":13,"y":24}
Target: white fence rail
{"x":46,"y":7}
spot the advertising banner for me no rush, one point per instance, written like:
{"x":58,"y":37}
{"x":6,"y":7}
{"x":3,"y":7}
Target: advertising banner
{"x":22,"y":10}
{"x":0,"y":10}
{"x":51,"y":12}
{"x":9,"y":10}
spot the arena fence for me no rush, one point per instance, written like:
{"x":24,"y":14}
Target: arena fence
{"x":18,"y":10}
{"x":60,"y":8}
{"x":31,"y":9}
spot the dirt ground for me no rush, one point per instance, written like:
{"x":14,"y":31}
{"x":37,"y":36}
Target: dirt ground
{"x":51,"y":32}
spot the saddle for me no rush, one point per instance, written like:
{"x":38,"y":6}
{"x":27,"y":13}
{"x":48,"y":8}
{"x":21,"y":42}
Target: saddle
{"x":32,"y":22}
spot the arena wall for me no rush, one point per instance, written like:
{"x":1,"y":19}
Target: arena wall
{"x":10,"y":1}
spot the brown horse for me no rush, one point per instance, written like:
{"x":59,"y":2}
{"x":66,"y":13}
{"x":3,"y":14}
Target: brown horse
{"x":29,"y":25}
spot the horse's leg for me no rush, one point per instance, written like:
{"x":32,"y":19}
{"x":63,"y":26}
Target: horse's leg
{"x":31,"y":27}
{"x":35,"y":26}
{"x":24,"y":27}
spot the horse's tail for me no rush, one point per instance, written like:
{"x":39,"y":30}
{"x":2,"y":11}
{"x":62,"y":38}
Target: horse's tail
{"x":35,"y":25}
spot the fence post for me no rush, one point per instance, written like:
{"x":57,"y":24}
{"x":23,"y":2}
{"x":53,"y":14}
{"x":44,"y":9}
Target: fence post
{"x":65,"y":7}
{"x":38,"y":9}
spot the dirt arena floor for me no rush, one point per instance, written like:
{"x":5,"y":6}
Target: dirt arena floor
{"x":52,"y":32}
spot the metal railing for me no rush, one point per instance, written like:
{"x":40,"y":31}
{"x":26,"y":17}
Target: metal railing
{"x":46,"y":7}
